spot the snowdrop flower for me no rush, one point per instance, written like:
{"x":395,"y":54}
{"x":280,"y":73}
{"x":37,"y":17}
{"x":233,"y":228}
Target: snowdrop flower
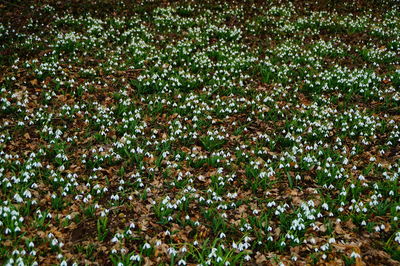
{"x":172,"y":251}
{"x":355,"y":255}
{"x":135,"y":258}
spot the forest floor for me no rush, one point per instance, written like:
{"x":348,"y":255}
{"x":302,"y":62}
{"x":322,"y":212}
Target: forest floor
{"x":199,"y":132}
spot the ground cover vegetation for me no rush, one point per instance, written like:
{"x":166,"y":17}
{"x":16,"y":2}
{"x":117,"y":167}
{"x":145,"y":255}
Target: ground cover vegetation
{"x":199,"y":132}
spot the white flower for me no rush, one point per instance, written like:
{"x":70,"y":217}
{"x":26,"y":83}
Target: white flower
{"x":135,"y":257}
{"x":355,"y":255}
{"x":172,"y":251}
{"x":18,"y":198}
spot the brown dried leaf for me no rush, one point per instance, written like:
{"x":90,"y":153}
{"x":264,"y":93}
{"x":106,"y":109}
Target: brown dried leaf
{"x":260,"y":258}
{"x":34,"y":82}
{"x":339,"y":230}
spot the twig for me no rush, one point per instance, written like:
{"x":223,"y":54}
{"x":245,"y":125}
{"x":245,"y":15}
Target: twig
{"x":10,"y":3}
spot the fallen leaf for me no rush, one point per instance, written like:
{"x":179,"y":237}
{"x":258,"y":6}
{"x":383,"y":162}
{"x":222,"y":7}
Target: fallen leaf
{"x":260,"y":258}
{"x":34,"y":82}
{"x":339,"y":230}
